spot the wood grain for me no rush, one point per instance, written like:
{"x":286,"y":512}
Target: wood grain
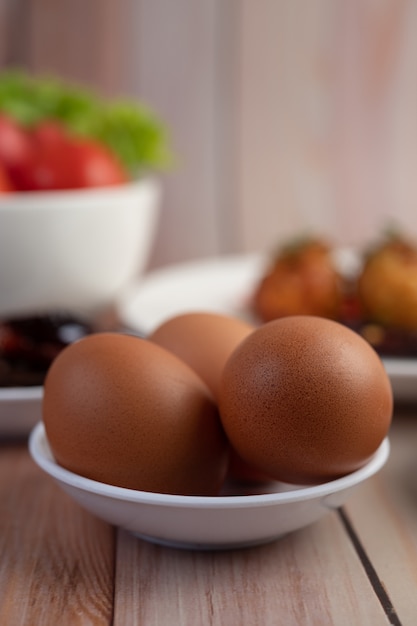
{"x":384,"y":514}
{"x":327,"y":129}
{"x":60,"y":565}
{"x":309,"y":578}
{"x":285,"y":117}
{"x":56,"y":561}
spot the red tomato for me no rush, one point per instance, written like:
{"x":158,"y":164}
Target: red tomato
{"x":49,"y":133}
{"x":47,"y":165}
{"x":5,"y":183}
{"x":15,"y":144}
{"x":58,"y":160}
{"x":49,"y":158}
{"x":94,"y":165}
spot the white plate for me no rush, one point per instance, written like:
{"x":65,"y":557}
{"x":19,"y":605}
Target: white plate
{"x":20,"y":410}
{"x":224,"y":285}
{"x":220,"y":285}
{"x":220,"y":522}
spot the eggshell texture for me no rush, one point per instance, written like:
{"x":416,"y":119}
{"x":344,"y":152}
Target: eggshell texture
{"x":124,"y":411}
{"x":305,"y":400}
{"x":204,"y":341}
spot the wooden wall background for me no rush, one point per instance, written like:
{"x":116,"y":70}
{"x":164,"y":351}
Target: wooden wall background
{"x":286,"y":115}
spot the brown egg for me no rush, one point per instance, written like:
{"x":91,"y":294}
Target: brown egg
{"x":203,"y":340}
{"x":124,"y":411}
{"x":305,"y":400}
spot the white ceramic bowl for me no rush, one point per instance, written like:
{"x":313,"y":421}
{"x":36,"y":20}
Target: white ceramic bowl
{"x":74,"y":250}
{"x":227,"y":521}
{"x":20,"y":410}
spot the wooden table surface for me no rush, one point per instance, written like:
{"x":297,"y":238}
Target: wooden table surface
{"x":357,"y":566}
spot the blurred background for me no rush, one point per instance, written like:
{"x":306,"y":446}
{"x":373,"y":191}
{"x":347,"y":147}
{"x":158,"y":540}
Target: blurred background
{"x":285,"y":116}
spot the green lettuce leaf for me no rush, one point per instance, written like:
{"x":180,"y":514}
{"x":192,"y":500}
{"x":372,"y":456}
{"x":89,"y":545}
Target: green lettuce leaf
{"x":129,"y":128}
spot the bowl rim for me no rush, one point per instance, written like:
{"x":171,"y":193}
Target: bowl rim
{"x":16,"y":200}
{"x":42,"y":455}
{"x":29,"y":392}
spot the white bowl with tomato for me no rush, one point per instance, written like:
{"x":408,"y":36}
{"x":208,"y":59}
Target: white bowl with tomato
{"x":79,"y":205}
{"x":74,"y":250}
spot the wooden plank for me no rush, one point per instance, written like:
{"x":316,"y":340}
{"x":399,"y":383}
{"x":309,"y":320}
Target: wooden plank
{"x":383,"y":514}
{"x":285,"y":116}
{"x":173,"y":63}
{"x":172,"y":56}
{"x":13,"y":33}
{"x":310,"y":578}
{"x":400,"y":473}
{"x":283,"y":150}
{"x":56,"y":561}
{"x":328,"y":133}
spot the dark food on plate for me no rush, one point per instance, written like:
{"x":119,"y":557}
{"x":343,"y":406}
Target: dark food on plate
{"x":28,"y":345}
{"x":380,"y":302}
{"x":387,"y":297}
{"x":302,"y":280}
{"x":387,"y":286}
